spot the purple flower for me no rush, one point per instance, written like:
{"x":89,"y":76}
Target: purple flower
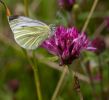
{"x":66,"y":4}
{"x":67,"y":43}
{"x":97,"y":77}
{"x":99,"y":44}
{"x":13,"y":85}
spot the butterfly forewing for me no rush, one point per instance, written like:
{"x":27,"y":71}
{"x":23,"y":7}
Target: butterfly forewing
{"x":28,"y":33}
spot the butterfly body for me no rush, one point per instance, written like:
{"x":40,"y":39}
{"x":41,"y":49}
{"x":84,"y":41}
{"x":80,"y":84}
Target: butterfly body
{"x":29,"y":33}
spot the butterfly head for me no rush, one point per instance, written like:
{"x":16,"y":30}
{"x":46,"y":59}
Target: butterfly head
{"x":52,"y":28}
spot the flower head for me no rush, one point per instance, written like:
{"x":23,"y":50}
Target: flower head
{"x":66,"y":4}
{"x":97,"y":77}
{"x":13,"y":85}
{"x":99,"y":44}
{"x":67,"y":43}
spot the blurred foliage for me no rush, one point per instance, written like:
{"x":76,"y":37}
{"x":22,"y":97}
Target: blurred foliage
{"x":14,"y":65}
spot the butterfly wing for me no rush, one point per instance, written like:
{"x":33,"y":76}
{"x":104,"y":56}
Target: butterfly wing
{"x":28,"y":33}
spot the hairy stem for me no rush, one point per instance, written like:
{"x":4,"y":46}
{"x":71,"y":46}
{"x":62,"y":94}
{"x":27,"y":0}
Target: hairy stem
{"x":58,"y":87}
{"x":77,"y":87}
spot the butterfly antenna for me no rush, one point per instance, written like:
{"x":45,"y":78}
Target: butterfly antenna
{"x":7,"y":9}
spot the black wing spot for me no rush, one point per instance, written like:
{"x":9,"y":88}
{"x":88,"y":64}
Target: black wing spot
{"x":13,"y":17}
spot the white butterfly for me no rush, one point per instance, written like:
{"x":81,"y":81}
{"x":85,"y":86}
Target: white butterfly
{"x":29,"y":33}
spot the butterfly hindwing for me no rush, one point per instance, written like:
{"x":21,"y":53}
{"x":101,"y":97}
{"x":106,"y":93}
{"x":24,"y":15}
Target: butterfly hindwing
{"x":28,"y":33}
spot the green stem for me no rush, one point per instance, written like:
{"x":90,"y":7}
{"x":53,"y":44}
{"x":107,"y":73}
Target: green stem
{"x":89,"y":16}
{"x":37,"y":82}
{"x":58,"y":87}
{"x":91,"y":80}
{"x":70,"y":22}
{"x":35,"y":69}
{"x":76,"y":84}
{"x":96,"y":14}
{"x":100,"y":28}
{"x":28,"y":58}
{"x":108,"y":73}
{"x":101,"y":75}
{"x":36,"y":76}
{"x":77,"y":87}
{"x":26,"y":8}
{"x":33,"y":63}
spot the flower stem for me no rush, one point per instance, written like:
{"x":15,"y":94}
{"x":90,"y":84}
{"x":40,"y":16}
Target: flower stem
{"x":35,"y":69}
{"x":91,"y":80}
{"x":70,"y":22}
{"x":37,"y":82}
{"x":58,"y":87}
{"x":36,"y":77}
{"x":89,"y":16}
{"x":76,"y":84}
{"x":28,"y":58}
{"x":108,"y":73}
{"x":26,"y":8}
{"x":101,"y":76}
{"x":100,"y":28}
{"x":77,"y":87}
{"x":33,"y":63}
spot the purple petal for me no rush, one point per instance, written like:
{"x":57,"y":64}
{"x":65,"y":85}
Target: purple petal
{"x":50,"y":46}
{"x":67,"y":43}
